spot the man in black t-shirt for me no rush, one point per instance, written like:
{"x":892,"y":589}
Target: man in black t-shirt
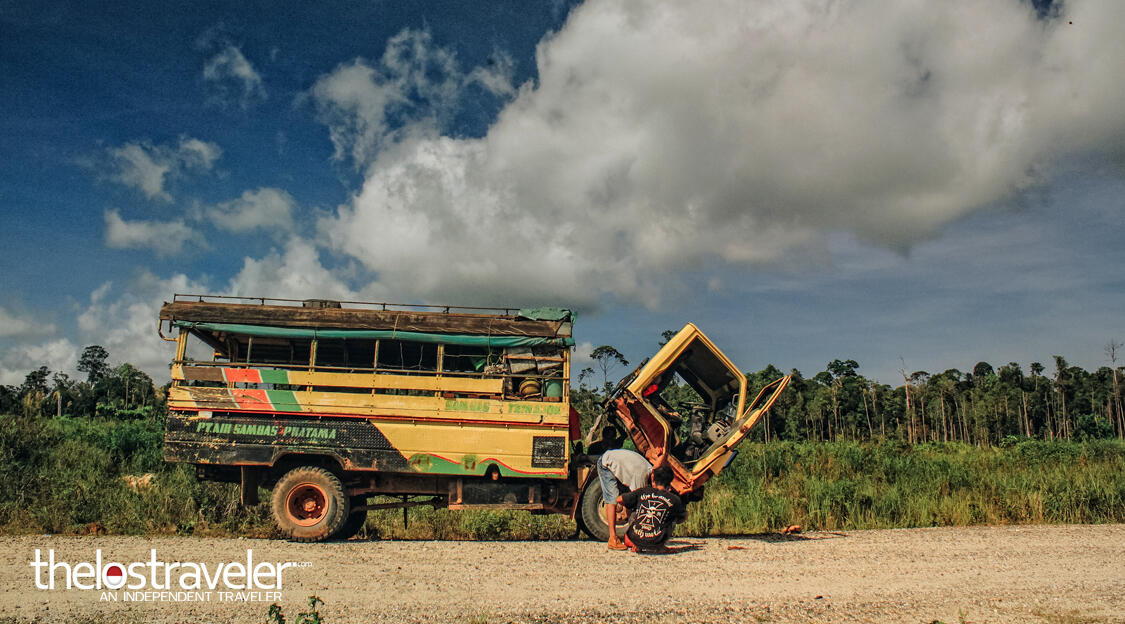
{"x":654,"y":512}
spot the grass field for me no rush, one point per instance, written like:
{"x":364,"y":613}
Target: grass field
{"x":63,"y":475}
{"x":889,"y":485}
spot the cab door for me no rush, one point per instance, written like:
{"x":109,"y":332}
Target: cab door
{"x":690,"y":357}
{"x":721,"y":452}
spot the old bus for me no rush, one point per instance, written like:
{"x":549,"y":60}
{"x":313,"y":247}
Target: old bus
{"x":331,"y":403}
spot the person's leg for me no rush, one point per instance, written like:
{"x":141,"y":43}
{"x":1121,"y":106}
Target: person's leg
{"x":609,"y":497}
{"x":661,"y":547}
{"x":611,"y":519}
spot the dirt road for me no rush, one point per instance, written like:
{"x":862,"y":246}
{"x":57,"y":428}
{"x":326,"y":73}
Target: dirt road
{"x":1057,"y":574}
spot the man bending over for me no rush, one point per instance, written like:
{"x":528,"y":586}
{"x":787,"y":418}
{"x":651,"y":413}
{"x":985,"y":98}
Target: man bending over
{"x":624,"y":467}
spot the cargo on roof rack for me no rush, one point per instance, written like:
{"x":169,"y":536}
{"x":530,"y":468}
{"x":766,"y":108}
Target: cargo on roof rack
{"x":541,"y":322}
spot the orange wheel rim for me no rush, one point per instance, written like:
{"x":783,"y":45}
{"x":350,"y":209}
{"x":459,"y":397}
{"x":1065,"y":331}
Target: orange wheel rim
{"x":307,"y":504}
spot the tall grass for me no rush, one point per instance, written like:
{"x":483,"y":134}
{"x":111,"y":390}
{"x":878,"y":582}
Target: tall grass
{"x":64,"y":475}
{"x":848,"y":485}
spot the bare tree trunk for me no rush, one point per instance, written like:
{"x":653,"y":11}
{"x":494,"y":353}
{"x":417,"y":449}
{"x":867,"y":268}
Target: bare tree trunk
{"x":909,"y":416}
{"x":965,"y":407}
{"x":958,"y":417}
{"x":1026,"y":418}
{"x":1050,"y":422}
{"x":922,"y":416}
{"x":875,"y":408}
{"x":944,"y":426}
{"x":835,"y":415}
{"x":1065,"y":421}
{"x":867,"y":414}
{"x":1118,"y":419}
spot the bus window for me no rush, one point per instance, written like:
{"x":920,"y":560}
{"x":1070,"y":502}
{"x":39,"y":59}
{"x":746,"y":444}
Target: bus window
{"x":402,"y":355}
{"x":276,"y":351}
{"x":461,"y":359}
{"x":342,"y":353}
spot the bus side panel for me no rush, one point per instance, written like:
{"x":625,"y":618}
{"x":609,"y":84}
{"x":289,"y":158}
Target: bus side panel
{"x":256,"y":440}
{"x":368,"y":444}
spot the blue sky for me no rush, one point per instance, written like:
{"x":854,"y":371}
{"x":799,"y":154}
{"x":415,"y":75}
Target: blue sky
{"x":918,"y":187}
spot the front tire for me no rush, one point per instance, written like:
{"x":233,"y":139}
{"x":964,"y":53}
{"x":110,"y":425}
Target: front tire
{"x":309,"y":504}
{"x":592,"y":513}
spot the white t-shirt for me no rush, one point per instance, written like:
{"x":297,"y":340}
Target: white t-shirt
{"x":630,"y":467}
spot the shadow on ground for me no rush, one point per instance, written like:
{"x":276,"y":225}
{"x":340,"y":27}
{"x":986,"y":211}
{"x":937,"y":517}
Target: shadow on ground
{"x":775,"y":538}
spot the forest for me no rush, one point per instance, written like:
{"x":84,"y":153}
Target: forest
{"x":838,"y":451}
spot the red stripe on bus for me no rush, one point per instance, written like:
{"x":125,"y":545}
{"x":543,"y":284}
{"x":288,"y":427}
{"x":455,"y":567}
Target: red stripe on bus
{"x":242,"y":375}
{"x":251,"y":399}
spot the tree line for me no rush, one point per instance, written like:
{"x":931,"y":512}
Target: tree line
{"x":985,"y":405}
{"x":124,"y":391}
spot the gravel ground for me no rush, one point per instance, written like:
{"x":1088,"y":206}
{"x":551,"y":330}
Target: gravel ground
{"x":1056,"y":574}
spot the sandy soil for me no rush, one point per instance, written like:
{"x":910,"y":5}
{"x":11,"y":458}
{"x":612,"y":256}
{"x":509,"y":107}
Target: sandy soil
{"x":1057,"y":574}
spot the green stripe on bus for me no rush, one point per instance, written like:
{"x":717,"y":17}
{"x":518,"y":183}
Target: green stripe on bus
{"x":274,"y":376}
{"x":433,"y":464}
{"x":284,"y":401}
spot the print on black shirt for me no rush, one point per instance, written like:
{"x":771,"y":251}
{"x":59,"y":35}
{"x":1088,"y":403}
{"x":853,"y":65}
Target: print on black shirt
{"x":654,"y":511}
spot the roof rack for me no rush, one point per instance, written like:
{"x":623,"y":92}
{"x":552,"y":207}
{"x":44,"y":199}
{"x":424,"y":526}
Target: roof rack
{"x":376,"y":305}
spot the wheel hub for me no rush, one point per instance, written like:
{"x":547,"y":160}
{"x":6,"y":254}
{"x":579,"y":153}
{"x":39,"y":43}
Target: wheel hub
{"x":307,"y":504}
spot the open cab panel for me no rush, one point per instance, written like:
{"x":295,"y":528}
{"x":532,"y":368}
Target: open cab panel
{"x":699,"y":439}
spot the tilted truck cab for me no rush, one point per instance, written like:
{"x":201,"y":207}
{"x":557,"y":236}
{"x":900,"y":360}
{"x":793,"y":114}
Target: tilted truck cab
{"x":696,"y":445}
{"x":330,"y":403}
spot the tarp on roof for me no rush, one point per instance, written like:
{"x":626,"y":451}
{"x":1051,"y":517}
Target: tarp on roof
{"x":267,"y":331}
{"x":547,"y":314}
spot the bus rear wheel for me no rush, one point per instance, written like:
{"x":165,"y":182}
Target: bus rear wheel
{"x":309,"y":504}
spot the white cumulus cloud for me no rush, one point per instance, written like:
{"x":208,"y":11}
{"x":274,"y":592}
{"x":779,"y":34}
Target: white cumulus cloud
{"x":233,"y":78}
{"x":58,"y":355}
{"x":122,"y":317}
{"x":295,"y":272}
{"x":12,"y":325}
{"x":367,"y":105}
{"x":264,"y":208}
{"x":123,"y":320}
{"x":662,"y":136}
{"x":147,"y":166}
{"x":166,"y":238}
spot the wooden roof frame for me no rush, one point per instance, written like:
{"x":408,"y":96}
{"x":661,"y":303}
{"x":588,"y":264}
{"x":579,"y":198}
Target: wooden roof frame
{"x":361,"y":318}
